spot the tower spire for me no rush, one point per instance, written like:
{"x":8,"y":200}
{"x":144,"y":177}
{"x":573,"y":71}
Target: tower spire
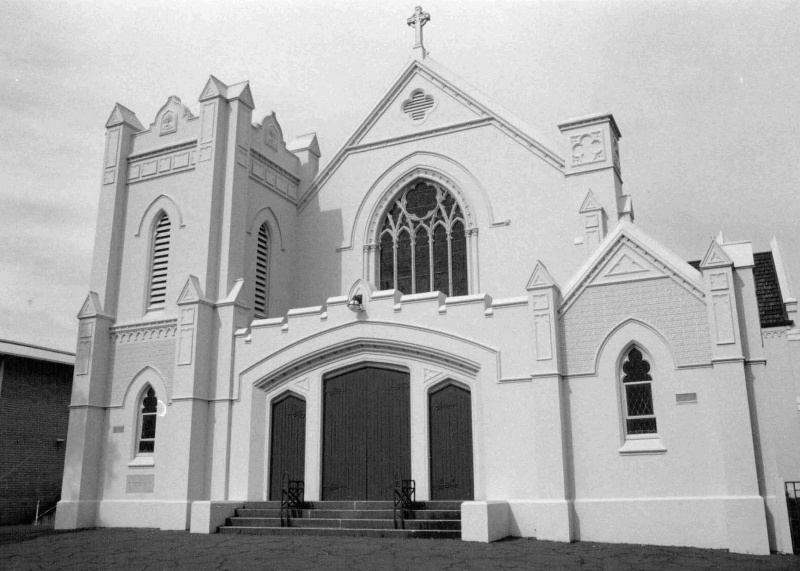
{"x":417,"y":21}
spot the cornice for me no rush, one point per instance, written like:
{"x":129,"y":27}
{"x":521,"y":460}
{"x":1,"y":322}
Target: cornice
{"x":180,"y":146}
{"x":274,"y":165}
{"x":144,"y":331}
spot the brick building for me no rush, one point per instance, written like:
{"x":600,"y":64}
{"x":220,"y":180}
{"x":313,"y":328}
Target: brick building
{"x":35,"y":385}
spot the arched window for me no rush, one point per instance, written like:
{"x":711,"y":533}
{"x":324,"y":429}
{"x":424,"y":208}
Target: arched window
{"x":637,"y":385}
{"x":158,"y":263}
{"x":262,"y":271}
{"x":147,"y":422}
{"x":423,"y":244}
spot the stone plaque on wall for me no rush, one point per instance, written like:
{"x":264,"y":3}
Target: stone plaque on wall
{"x":140,"y":483}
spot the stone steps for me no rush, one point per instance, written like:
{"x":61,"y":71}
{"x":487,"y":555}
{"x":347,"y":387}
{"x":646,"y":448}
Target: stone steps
{"x":352,"y":514}
{"x":439,"y":519}
{"x":397,"y":533}
{"x":447,"y":524}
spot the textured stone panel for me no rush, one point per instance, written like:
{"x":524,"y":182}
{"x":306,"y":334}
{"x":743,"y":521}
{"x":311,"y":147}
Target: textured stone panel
{"x":140,"y":483}
{"x":127,"y":359}
{"x":675,"y":313}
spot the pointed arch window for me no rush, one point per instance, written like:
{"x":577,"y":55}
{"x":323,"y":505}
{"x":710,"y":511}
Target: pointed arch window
{"x":262,"y":271}
{"x":147,"y":422}
{"x":159,"y":262}
{"x":423,"y":243}
{"x":637,"y":385}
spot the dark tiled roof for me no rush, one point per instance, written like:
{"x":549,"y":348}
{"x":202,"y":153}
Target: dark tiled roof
{"x":771,"y":311}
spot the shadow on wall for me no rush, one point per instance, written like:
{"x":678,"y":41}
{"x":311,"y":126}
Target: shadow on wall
{"x":569,"y":460}
{"x":319,"y":269}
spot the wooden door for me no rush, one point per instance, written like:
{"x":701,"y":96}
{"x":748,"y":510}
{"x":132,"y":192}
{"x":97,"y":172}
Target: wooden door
{"x":288,"y":446}
{"x":450,"y":418}
{"x":366,"y":434}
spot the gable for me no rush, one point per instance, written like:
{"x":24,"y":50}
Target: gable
{"x":418,"y":105}
{"x":633,"y":277}
{"x":629,"y":255}
{"x":426,"y":100}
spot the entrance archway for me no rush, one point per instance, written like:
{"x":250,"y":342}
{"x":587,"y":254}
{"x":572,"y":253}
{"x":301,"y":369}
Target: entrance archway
{"x":366,"y":433}
{"x":450,"y":429}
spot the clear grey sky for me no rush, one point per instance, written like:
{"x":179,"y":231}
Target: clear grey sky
{"x":706,"y":94}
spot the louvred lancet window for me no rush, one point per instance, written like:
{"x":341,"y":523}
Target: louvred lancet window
{"x":423,"y":244}
{"x":638,"y":386}
{"x":262,"y":271}
{"x":159,"y":261}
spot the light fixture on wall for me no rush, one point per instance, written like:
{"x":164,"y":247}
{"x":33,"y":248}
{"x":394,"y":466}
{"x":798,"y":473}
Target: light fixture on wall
{"x":356,"y":303}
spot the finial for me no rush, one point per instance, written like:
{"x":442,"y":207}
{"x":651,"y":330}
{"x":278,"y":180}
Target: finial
{"x":417,"y":21}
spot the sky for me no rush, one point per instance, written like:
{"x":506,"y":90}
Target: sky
{"x":706,"y":95}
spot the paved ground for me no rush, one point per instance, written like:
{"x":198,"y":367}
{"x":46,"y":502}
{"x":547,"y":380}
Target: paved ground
{"x":149,"y":549}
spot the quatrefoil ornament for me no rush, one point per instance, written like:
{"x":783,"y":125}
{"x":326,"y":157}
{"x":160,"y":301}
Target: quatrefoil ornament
{"x":588,"y":148}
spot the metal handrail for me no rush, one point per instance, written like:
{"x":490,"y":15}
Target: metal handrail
{"x":405,"y":494}
{"x":39,"y":516}
{"x":292,"y":492}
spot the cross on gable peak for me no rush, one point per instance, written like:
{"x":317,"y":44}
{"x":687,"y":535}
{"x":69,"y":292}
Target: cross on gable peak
{"x":417,"y":21}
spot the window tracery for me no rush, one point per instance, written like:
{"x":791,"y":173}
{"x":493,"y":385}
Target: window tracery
{"x":423,"y":245}
{"x":638,"y":395}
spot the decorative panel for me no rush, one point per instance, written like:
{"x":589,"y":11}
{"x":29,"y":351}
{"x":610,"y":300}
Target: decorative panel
{"x":167,"y":161}
{"x":83,"y":355}
{"x":186,"y":346}
{"x":207,"y":120}
{"x":140,"y":483}
{"x":271,"y":175}
{"x":722,"y":318}
{"x":112,"y":144}
{"x":544,"y":346}
{"x":588,"y":148}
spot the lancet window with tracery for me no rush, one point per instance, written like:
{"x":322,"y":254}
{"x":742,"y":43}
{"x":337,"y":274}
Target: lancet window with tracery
{"x":423,"y":244}
{"x":637,"y":383}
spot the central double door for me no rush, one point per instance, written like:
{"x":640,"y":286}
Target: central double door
{"x":366,"y":434}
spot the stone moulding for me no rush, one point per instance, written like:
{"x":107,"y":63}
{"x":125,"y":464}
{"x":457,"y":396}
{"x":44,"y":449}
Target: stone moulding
{"x":456,"y":178}
{"x":391,"y":192}
{"x":160,"y":162}
{"x":361,"y":346}
{"x":773,"y":333}
{"x":272,"y":176}
{"x":151,"y":330}
{"x":435,"y":132}
{"x":482,"y":302}
{"x":267,"y":215}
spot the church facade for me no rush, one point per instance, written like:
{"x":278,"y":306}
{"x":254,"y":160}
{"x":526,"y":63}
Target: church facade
{"x":454,"y":298}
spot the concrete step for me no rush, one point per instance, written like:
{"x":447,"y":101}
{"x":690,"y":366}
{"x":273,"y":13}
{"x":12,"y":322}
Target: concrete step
{"x":345,"y":523}
{"x":397,"y":533}
{"x":359,"y":505}
{"x":350,"y":514}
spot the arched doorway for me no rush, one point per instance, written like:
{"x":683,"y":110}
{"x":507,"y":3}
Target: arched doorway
{"x":288,"y":442}
{"x":450,"y":425}
{"x":366,"y":433}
